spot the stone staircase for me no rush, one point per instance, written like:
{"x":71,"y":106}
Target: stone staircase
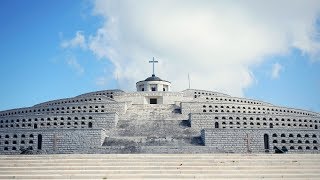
{"x":152,"y":125}
{"x":152,"y":133}
{"x":152,"y":112}
{"x":164,"y":166}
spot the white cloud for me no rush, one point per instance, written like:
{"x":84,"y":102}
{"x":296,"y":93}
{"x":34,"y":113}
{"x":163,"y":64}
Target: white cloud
{"x":275,"y":72}
{"x":74,"y":64}
{"x":78,"y":41}
{"x":217,"y":42}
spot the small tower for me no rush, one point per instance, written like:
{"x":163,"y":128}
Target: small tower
{"x":153,"y":83}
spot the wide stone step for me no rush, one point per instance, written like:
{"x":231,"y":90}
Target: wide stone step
{"x":233,"y":160}
{"x":170,"y":166}
{"x":40,"y":167}
{"x":223,"y":156}
{"x":162,"y":171}
{"x":177,"y":163}
{"x":165,"y":176}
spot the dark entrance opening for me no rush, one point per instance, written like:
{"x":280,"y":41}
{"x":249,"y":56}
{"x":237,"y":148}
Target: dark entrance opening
{"x":35,"y":126}
{"x":153,"y":101}
{"x":39,"y":141}
{"x":266,"y":142}
{"x":216,"y":125}
{"x":90,"y":125}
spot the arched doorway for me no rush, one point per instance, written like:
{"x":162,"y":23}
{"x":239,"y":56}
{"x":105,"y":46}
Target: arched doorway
{"x":266,"y":141}
{"x":216,"y":125}
{"x":39,"y":141}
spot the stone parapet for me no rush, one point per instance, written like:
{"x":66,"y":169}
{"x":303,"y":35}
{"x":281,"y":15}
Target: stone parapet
{"x":50,"y":140}
{"x":261,"y":140}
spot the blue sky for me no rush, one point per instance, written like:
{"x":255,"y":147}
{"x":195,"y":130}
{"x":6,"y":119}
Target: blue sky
{"x":55,"y":49}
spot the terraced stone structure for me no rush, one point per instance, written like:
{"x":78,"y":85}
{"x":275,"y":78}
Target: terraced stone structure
{"x":156,"y":120}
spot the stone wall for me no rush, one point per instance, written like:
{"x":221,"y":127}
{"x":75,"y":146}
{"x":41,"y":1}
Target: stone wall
{"x":78,"y":99}
{"x":192,"y":92}
{"x":107,"y":121}
{"x":73,"y":108}
{"x":52,"y":140}
{"x":63,"y":121}
{"x":241,"y":108}
{"x":142,"y":97}
{"x":242,"y":121}
{"x":236,"y":140}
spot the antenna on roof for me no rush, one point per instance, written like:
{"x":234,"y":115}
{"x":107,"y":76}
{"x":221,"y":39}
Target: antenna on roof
{"x":189,"y":80}
{"x":117,"y":79}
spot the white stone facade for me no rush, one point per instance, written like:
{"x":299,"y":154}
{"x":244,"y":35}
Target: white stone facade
{"x":156,"y":85}
{"x":157,"y":120}
{"x":153,"y":83}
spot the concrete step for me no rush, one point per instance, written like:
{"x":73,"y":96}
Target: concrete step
{"x":168,"y":166}
{"x":143,"y":159}
{"x":106,"y":167}
{"x":169,"y":156}
{"x":222,"y":164}
{"x":165,"y":176}
{"x":161,"y":171}
{"x":108,"y":157}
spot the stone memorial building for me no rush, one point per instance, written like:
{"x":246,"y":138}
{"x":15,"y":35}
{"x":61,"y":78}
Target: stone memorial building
{"x":155,"y":120}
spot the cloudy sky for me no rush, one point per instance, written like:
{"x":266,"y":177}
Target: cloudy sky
{"x":263,"y":50}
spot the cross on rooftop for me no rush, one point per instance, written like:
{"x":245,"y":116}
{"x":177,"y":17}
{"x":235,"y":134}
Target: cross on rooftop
{"x":153,"y":61}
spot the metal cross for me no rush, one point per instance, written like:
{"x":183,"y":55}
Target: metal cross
{"x":248,"y":138}
{"x":153,"y":61}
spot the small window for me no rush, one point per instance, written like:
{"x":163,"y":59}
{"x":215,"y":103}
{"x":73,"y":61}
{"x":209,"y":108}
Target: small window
{"x":314,"y":136}
{"x":153,"y":101}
